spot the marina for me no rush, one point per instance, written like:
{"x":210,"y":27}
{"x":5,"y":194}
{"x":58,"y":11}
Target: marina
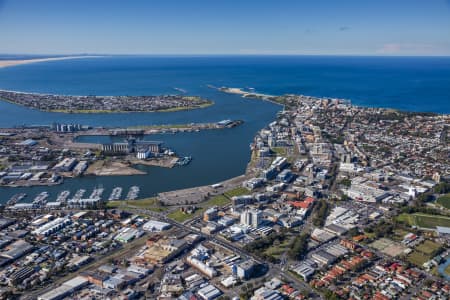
{"x":133,"y":193}
{"x":45,"y":200}
{"x":115,"y":194}
{"x":16,"y":198}
{"x":63,"y":196}
{"x":41,"y":199}
{"x":97,"y":193}
{"x":79,"y":194}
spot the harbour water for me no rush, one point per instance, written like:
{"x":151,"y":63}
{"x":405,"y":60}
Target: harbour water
{"x":419,"y":84}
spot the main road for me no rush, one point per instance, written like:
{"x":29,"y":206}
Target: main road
{"x":274,"y":269}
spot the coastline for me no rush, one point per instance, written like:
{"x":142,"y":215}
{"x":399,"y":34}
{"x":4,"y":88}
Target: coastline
{"x":278,"y":99}
{"x":186,"y":105}
{"x":16,"y":62}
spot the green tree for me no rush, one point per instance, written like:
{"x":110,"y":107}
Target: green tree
{"x":298,"y":247}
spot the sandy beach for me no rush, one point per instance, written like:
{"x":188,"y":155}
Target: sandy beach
{"x":10,"y":63}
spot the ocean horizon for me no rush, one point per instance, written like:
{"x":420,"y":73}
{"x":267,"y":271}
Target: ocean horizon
{"x":413,"y":83}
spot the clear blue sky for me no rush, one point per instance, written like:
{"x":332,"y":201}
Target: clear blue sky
{"x":363,"y":27}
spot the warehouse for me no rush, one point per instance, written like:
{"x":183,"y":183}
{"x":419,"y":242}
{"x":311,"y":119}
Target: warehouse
{"x":209,"y":292}
{"x":155,"y":226}
{"x":66,"y":289}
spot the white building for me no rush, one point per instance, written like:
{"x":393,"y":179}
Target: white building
{"x":153,"y":225}
{"x":251,"y":217}
{"x":143,"y":153}
{"x":209,"y":292}
{"x":66,"y":165}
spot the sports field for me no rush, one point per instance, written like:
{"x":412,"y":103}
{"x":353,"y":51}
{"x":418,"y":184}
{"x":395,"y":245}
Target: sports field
{"x":424,"y":220}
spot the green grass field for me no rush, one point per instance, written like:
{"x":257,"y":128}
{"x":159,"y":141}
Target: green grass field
{"x":428,"y":247}
{"x":215,"y":201}
{"x":424,"y":220}
{"x":147,"y":203}
{"x":444,"y":201}
{"x":220,"y":200}
{"x":423,"y":253}
{"x":181,"y":217}
{"x":239,"y":191}
{"x":279,"y":150}
{"x":417,"y":258}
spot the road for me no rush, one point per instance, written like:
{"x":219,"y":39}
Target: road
{"x":118,"y":252}
{"x":274,"y":270}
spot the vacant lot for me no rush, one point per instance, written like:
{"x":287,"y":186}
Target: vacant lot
{"x":423,"y":253}
{"x":180,"y":216}
{"x":417,"y":258}
{"x":111,"y":168}
{"x":218,"y":201}
{"x":388,"y":247}
{"x":147,"y":203}
{"x":237,"y":192}
{"x":428,"y":247}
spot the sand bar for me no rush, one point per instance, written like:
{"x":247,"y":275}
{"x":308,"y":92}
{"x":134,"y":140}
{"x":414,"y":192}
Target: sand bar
{"x":15,"y":62}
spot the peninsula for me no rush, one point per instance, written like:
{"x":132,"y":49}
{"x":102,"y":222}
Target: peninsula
{"x":244,"y":93}
{"x":104,"y":104}
{"x":15,"y":62}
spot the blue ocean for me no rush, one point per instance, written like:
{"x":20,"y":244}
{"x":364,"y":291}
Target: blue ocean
{"x":405,"y":83}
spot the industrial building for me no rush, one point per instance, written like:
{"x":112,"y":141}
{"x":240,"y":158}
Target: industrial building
{"x":17,"y":250}
{"x":66,"y":165}
{"x":143,"y":149}
{"x":122,"y":148}
{"x":52,"y":227}
{"x":58,"y":127}
{"x":209,"y":292}
{"x":65,"y":289}
{"x":323,"y":257}
{"x":153,"y":225}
